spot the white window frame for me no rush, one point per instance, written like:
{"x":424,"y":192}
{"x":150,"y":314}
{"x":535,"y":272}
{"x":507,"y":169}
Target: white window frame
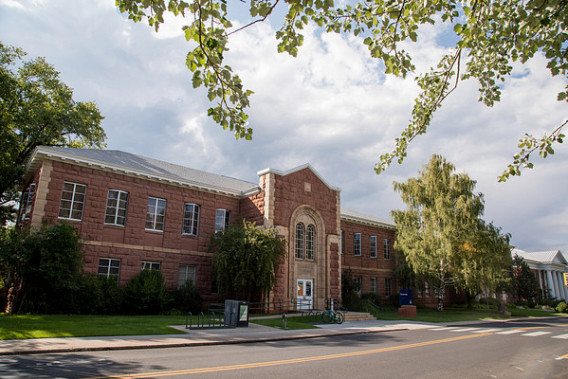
{"x":359,"y":280}
{"x":373,"y":284}
{"x":120,"y":207}
{"x":27,"y":203}
{"x":357,"y":244}
{"x":186,"y":272}
{"x":388,"y":286}
{"x":190,"y":226}
{"x":300,"y":241}
{"x":152,"y":214}
{"x":109,"y":268}
{"x":373,"y":246}
{"x":310,"y":242}
{"x":75,"y":205}
{"x":386,"y":246}
{"x":222,"y":219}
{"x":148,"y":265}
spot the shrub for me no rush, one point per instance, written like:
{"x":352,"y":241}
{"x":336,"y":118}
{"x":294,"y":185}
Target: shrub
{"x":145,"y":293}
{"x":372,"y":297}
{"x":562,"y":307}
{"x":187,"y":298}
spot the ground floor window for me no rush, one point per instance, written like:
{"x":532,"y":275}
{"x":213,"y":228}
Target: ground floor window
{"x":186,"y":272}
{"x":388,"y":286}
{"x":358,"y":284}
{"x":109,"y":268}
{"x":151,"y":265}
{"x":373,"y":282}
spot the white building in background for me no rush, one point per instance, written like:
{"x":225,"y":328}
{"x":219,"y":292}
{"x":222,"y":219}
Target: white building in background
{"x":549,"y":268}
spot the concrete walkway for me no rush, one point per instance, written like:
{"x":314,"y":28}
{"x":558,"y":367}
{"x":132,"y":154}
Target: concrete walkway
{"x":252,"y":333}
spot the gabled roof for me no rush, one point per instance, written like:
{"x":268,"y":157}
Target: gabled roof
{"x":361,"y":218}
{"x":149,"y":168}
{"x":542,"y":257}
{"x":296,"y":169}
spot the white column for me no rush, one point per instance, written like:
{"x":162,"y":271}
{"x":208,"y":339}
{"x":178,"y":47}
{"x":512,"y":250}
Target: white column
{"x":550,"y":283}
{"x":559,"y":292}
{"x":539,"y":276}
{"x":563,"y":293}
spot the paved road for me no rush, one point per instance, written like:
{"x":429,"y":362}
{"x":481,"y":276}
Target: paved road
{"x":524,"y":349}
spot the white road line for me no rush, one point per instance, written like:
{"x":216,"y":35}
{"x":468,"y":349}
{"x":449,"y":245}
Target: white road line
{"x":561,"y":336}
{"x":536,"y":334}
{"x":512,"y":331}
{"x":445,"y":328}
{"x":486,"y":330}
{"x":465,"y":330}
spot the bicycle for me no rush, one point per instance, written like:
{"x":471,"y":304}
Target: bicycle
{"x":332,"y":316}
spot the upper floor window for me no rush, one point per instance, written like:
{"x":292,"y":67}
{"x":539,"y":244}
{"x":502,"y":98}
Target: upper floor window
{"x":117,"y":202}
{"x":373,"y":246}
{"x":310,"y":242}
{"x":190,"y":219}
{"x":342,"y":242}
{"x":72,"y":201}
{"x":156,"y":214}
{"x":27,"y":203}
{"x":300,"y":241}
{"x":387,"y":248}
{"x":357,"y":244}
{"x":222,"y":220}
{"x":145,"y":265}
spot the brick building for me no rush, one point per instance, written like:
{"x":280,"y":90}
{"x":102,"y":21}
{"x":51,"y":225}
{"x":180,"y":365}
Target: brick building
{"x":137,"y":213}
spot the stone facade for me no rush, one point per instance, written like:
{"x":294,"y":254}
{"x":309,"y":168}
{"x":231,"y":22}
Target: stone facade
{"x":303,"y":208}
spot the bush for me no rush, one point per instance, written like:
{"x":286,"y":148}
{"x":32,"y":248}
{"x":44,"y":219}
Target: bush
{"x":372,"y":297}
{"x":145,"y":293}
{"x":562,"y":307}
{"x":187,"y":298}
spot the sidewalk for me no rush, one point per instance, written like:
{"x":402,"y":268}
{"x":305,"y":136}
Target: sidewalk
{"x":252,"y":333}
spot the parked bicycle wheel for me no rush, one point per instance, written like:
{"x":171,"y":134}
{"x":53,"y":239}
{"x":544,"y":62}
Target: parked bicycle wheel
{"x":339,"y":318}
{"x":327,"y":317}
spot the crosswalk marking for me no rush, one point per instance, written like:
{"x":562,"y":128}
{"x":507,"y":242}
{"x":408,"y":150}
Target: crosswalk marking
{"x":511,"y":331}
{"x":464,"y":330}
{"x":536,"y":334}
{"x":487,"y":330}
{"x":562,"y":336}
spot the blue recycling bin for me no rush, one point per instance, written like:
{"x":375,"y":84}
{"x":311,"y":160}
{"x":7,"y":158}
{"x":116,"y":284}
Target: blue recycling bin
{"x":405,"y":297}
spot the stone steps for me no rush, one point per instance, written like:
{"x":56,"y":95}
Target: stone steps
{"x":358,"y":316}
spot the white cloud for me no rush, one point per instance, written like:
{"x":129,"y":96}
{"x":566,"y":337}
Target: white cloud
{"x":332,"y":106}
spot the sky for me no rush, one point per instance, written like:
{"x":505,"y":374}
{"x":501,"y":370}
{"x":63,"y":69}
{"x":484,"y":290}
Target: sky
{"x":332,"y":107}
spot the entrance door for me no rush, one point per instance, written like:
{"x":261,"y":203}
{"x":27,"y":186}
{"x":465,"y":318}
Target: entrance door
{"x":305,"y":298}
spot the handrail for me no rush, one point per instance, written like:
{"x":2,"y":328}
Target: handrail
{"x":372,"y":308}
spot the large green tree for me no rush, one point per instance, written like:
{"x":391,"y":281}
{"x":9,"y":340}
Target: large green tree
{"x":37,"y":108}
{"x":246,"y":260}
{"x":441,"y":234}
{"x":489,"y":35}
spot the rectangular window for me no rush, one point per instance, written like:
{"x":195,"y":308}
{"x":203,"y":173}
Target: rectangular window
{"x":109,"y":268}
{"x":186,"y":272}
{"x":222,"y":219}
{"x":72,"y":201}
{"x":156,"y":214}
{"x":151,"y":265}
{"x":387,"y":248}
{"x":190,"y":219}
{"x":117,"y":202}
{"x":373,"y":246}
{"x":373,"y":285}
{"x":27,"y":203}
{"x":388,"y":286}
{"x":426,"y":289}
{"x":342,"y":242}
{"x":358,"y":284}
{"x":357,"y":244}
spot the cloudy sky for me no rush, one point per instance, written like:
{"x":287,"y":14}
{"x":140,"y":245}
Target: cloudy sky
{"x":332,"y":107}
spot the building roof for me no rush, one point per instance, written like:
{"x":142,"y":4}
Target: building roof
{"x":296,"y":169}
{"x":150,"y":168}
{"x":541,"y":257}
{"x":362,"y":218}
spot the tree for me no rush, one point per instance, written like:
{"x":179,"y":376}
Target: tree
{"x":246,"y":260}
{"x":490,"y":36}
{"x":37,"y":108}
{"x":41,"y":270}
{"x":525,"y":285}
{"x":441,"y":234}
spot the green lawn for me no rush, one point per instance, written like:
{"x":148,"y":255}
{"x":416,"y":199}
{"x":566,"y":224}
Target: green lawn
{"x":43,"y":326}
